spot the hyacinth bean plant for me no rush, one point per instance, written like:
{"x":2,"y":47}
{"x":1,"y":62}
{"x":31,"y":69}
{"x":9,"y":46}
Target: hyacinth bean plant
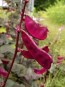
{"x":32,"y":30}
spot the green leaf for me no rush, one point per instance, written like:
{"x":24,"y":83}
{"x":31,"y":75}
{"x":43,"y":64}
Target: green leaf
{"x":7,"y":48}
{"x":2,"y":30}
{"x":10,"y":83}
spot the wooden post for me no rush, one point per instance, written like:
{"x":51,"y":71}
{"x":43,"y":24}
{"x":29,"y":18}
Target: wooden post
{"x":31,"y":5}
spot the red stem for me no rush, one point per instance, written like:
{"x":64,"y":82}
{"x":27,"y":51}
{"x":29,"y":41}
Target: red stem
{"x":17,"y":39}
{"x":22,"y":14}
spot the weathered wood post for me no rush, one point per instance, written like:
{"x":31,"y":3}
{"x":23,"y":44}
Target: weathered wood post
{"x":31,"y":5}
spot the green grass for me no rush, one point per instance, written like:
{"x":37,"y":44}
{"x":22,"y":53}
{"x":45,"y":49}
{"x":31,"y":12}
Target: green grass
{"x":57,"y":81}
{"x":56,"y":13}
{"x":57,"y":48}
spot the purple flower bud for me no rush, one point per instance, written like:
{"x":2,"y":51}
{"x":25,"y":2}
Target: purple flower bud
{"x":5,"y":61}
{"x":37,"y":31}
{"x":3,"y":72}
{"x":60,"y":59}
{"x":42,"y":86}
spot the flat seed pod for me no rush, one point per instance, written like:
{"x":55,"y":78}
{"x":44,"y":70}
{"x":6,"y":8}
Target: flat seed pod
{"x":34,"y":29}
{"x":42,"y":57}
{"x":26,"y":54}
{"x":45,"y":48}
{"x":40,"y":71}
